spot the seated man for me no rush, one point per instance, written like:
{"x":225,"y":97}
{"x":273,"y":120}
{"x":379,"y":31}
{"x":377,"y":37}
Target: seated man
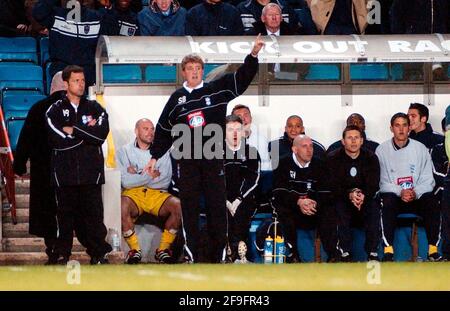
{"x":355,"y":181}
{"x":302,"y":197}
{"x":406,"y":185}
{"x":142,"y":193}
{"x":242,"y":167}
{"x":294,"y":127}
{"x":358,"y":120}
{"x":252,"y":136}
{"x":162,"y":18}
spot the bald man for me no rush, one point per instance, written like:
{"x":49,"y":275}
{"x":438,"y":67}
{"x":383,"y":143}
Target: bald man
{"x":145,"y":194}
{"x":359,"y":121}
{"x":302,"y":197}
{"x":282,"y":146}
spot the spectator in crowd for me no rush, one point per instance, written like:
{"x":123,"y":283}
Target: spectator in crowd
{"x":302,"y":197}
{"x":252,"y":136}
{"x":406,"y":185}
{"x":251,"y":11}
{"x":213,"y":18}
{"x":77,"y":129}
{"x":162,"y":18}
{"x":355,"y":181}
{"x":446,"y":192}
{"x":122,"y":11}
{"x":73,"y":42}
{"x":35,"y":29}
{"x":282,"y":147}
{"x":271,"y":22}
{"x":144,"y":194}
{"x":359,"y":121}
{"x":241,"y":175}
{"x":189,"y":110}
{"x":440,"y":172}
{"x":339,"y":17}
{"x":420,"y":17}
{"x":135,"y":5}
{"x":419,"y":127}
{"x":13,"y":21}
{"x":33,"y":145}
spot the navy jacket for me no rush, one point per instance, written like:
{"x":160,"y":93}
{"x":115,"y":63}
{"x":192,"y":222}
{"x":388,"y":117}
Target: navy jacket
{"x":153,"y":23}
{"x":428,"y":137}
{"x":220,"y":19}
{"x":73,"y":43}
{"x":77,"y":159}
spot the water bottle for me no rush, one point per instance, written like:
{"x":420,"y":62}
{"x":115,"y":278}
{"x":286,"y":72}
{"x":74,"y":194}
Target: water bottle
{"x":114,"y":239}
{"x":268,"y":250}
{"x":280,"y":249}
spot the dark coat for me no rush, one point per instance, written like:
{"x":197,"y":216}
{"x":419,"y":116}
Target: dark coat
{"x":33,"y":145}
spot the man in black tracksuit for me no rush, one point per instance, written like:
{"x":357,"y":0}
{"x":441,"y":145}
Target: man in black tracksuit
{"x":302,"y":197}
{"x":355,"y":181}
{"x":77,"y":130}
{"x":191,"y":111}
{"x":242,"y":171}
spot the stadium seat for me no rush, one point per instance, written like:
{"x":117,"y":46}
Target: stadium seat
{"x":369,"y":72}
{"x":44,"y":53}
{"x":448,"y":72}
{"x":122,"y":74}
{"x":396,"y":72}
{"x":319,"y":72}
{"x":410,"y":241}
{"x":16,"y":107}
{"x":160,"y":74}
{"x":21,"y":79}
{"x":22,"y":49}
{"x":208,"y":68}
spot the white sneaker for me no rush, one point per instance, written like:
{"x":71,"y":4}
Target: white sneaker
{"x":242,"y":252}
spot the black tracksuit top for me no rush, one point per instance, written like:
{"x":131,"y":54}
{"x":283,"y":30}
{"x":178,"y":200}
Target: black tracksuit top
{"x":203,"y":106}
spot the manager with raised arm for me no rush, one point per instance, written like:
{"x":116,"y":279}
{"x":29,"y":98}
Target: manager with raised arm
{"x":191,"y":116}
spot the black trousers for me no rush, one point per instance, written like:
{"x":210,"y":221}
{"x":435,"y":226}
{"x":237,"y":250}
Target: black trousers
{"x":368,"y":217}
{"x":80,"y":208}
{"x":426,"y":207}
{"x":197,"y":177}
{"x":291,"y":219}
{"x":239,"y":224}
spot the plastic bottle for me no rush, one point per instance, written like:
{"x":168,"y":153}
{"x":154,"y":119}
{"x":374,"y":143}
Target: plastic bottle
{"x":268,"y":250}
{"x":280,"y":250}
{"x":114,"y":239}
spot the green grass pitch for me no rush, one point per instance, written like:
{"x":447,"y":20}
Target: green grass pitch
{"x":342,"y":276}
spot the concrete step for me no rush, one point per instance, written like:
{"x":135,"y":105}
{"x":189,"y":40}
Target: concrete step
{"x":22,"y":201}
{"x":20,"y":230}
{"x":40,"y":258}
{"x":22,"y":185}
{"x":32,"y":245}
{"x":22,"y":215}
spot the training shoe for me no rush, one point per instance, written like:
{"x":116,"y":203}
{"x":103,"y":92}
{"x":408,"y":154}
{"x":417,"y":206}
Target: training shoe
{"x":102,"y":260}
{"x":242,"y":253}
{"x":388,"y":257}
{"x":345,"y":257}
{"x":373,"y":256}
{"x":164,"y":256}
{"x":134,"y":256}
{"x":434,"y":257}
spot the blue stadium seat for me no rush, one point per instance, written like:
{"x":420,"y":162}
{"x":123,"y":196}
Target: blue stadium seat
{"x":369,"y":72}
{"x":402,"y":239}
{"x":18,"y":49}
{"x":16,"y":107}
{"x":16,"y":78}
{"x":160,"y":74}
{"x":122,"y":74}
{"x":323,"y":72}
{"x":448,"y":71}
{"x":396,"y":73}
{"x":48,"y":79}
{"x":43,"y":48}
{"x":208,"y":68}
